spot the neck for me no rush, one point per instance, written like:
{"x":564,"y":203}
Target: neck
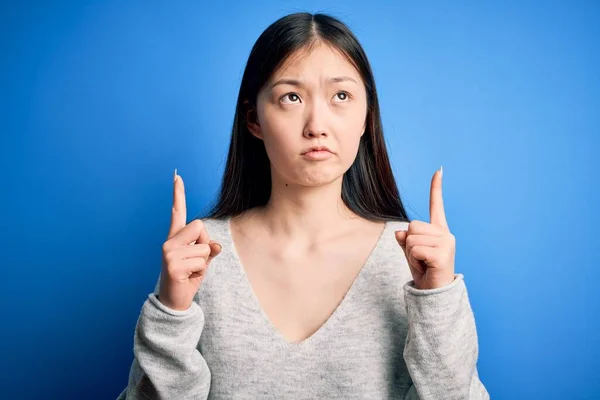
{"x":306,"y":213}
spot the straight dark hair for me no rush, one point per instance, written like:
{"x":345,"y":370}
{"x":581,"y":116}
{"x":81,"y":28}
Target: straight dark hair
{"x":368,"y":186}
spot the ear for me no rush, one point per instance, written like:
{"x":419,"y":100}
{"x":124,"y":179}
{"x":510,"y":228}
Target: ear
{"x":252,"y":120}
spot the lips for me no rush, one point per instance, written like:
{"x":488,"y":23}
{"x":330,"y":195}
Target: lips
{"x":318,"y":155}
{"x":317,"y":148}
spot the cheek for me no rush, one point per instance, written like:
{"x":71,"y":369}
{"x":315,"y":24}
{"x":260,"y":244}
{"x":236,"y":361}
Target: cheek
{"x":348,"y":149}
{"x":281,"y":132}
{"x":350,"y":134}
{"x":278,"y":139}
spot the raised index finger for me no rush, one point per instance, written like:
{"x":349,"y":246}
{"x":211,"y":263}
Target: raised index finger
{"x":436,"y":201}
{"x":179,"y":213}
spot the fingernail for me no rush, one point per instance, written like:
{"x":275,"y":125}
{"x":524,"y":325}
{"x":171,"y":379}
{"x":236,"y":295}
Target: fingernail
{"x":175,"y":175}
{"x":441,"y":170}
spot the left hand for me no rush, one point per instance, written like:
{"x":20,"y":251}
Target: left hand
{"x":430,"y":247}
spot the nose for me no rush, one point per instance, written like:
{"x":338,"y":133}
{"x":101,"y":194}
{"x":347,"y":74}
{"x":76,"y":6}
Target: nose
{"x":315,"y":123}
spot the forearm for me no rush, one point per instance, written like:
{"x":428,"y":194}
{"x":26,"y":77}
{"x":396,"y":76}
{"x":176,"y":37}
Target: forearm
{"x":441,"y":348}
{"x":167,"y":363}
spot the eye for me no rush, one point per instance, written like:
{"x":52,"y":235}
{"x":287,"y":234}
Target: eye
{"x":343,"y":96}
{"x":290,"y":96}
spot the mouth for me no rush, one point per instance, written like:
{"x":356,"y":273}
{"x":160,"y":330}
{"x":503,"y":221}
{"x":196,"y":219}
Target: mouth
{"x":318,"y":154}
{"x":317,"y":150}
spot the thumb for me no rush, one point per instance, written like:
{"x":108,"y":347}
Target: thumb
{"x":401,"y":239}
{"x":215,"y":250}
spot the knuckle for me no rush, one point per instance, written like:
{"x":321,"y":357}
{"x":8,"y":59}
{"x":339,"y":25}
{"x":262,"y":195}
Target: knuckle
{"x":205,"y":249}
{"x":202,"y":263}
{"x":166,"y":247}
{"x":169,"y":256}
{"x":197,"y":223}
{"x":412,"y":225}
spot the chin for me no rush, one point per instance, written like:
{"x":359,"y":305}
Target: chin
{"x":311,"y":176}
{"x":318,"y":178}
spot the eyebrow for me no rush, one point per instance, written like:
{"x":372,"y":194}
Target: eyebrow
{"x":296,"y":82}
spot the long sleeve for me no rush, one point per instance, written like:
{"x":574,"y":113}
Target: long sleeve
{"x":441,"y":348}
{"x":167,"y":363}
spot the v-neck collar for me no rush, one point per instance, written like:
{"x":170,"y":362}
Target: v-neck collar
{"x":329,"y":324}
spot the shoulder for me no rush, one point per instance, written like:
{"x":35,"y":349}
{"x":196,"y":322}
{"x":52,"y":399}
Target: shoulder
{"x":396,"y":225}
{"x":217,"y":228}
{"x":213,"y":221}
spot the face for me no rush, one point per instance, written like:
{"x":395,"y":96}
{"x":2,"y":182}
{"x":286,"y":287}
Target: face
{"x":316,"y":98}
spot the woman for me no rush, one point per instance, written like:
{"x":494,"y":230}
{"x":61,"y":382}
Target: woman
{"x":307,"y":279}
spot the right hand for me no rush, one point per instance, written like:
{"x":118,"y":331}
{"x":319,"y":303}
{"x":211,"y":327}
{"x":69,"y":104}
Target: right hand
{"x":186,"y":255}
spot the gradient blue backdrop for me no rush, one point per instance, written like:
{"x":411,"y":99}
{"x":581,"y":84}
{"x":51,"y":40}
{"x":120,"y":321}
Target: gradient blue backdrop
{"x":102,"y":100}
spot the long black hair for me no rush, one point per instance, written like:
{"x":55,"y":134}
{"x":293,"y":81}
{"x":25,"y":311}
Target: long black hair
{"x":368,"y":186}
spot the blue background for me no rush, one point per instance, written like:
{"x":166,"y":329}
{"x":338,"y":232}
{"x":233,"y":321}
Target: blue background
{"x":102,"y":100}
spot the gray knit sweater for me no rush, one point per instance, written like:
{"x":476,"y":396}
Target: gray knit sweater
{"x":386,"y":339}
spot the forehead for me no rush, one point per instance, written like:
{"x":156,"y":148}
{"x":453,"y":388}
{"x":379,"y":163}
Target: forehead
{"x":320,"y":60}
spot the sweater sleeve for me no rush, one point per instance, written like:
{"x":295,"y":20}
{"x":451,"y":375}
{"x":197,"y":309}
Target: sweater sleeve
{"x":441,"y":348}
{"x":167,"y":363}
